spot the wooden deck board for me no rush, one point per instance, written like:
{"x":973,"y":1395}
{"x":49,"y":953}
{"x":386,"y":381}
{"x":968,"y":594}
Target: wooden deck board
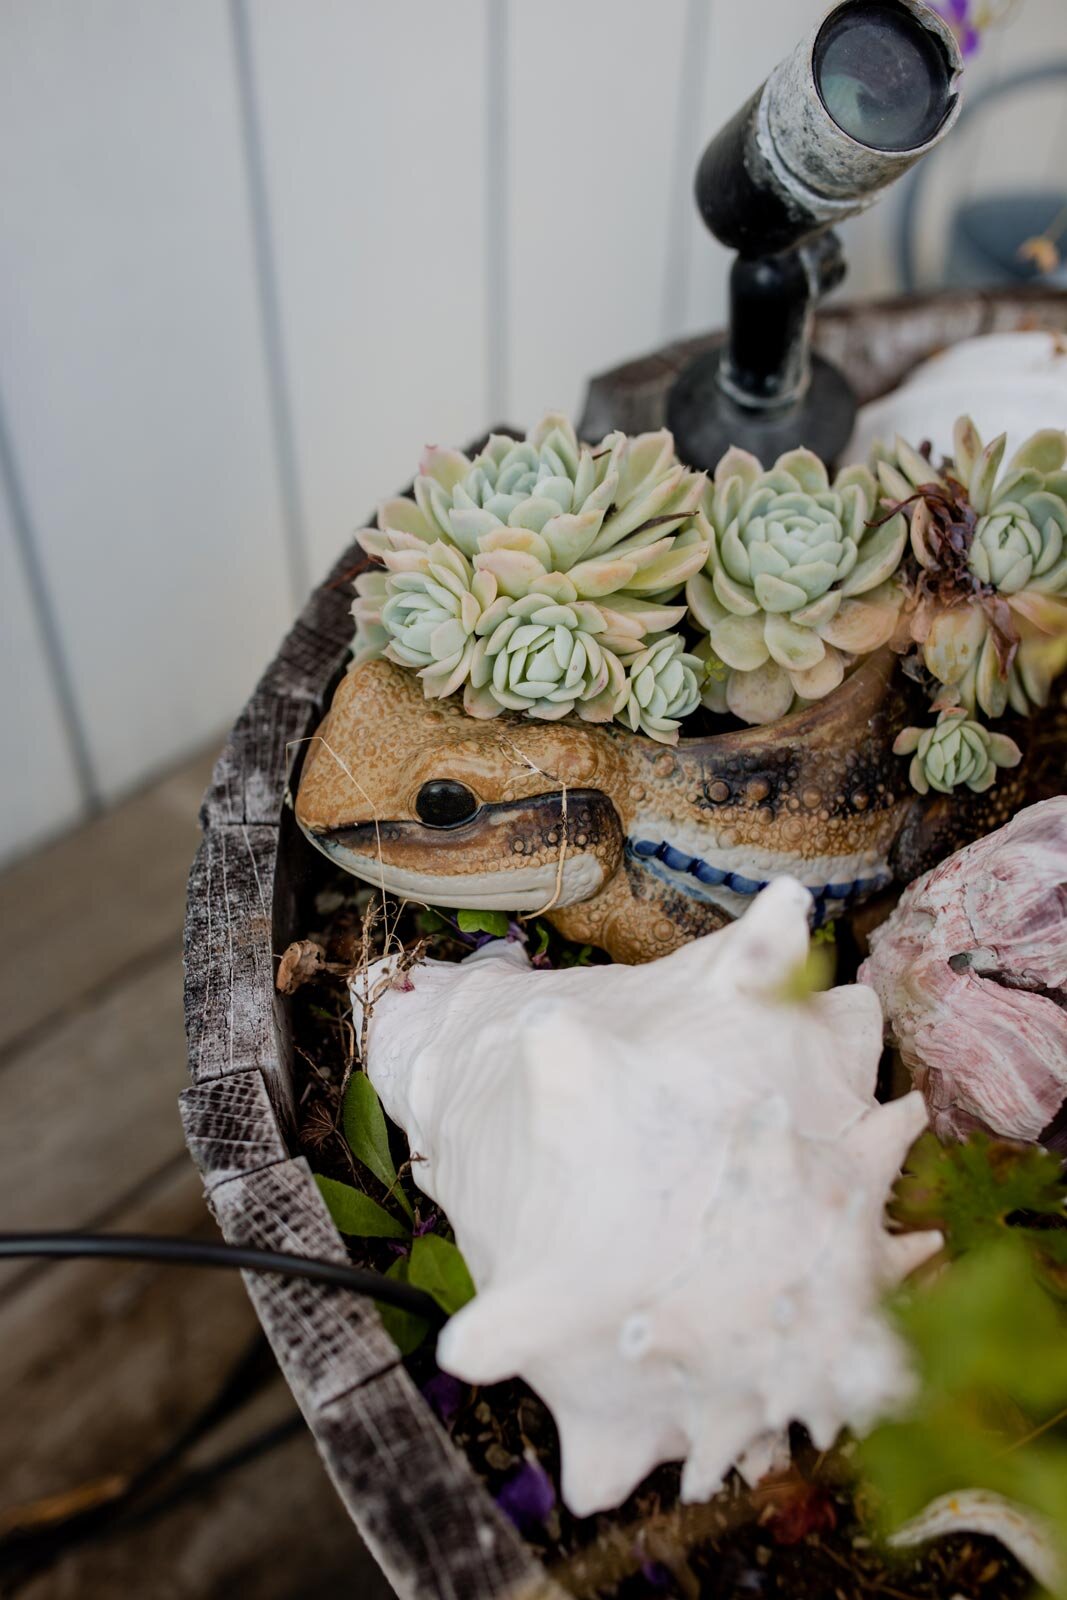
{"x":102,"y":1364}
{"x":275,"y":1532}
{"x":100,"y":1093}
{"x":78,"y":914}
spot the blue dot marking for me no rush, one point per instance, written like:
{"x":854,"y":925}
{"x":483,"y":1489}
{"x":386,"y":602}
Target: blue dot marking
{"x":718,"y":877}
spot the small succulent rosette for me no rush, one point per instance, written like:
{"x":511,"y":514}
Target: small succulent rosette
{"x":799,"y":580}
{"x":988,"y":604}
{"x":992,"y":549}
{"x":661,"y":689}
{"x":955,"y":751}
{"x":537,"y":575}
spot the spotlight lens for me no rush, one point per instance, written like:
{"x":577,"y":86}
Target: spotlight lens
{"x":881,"y":75}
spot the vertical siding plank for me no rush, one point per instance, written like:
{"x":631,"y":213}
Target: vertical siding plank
{"x":269,"y":310}
{"x":374,"y":123}
{"x":41,"y":789}
{"x":592,"y":94}
{"x":691,"y":134}
{"x":498,"y":332}
{"x":133,"y":366}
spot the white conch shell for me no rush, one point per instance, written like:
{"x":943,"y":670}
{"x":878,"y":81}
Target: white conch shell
{"x":1031,"y":1540}
{"x":668,"y":1184}
{"x":1013,"y":383}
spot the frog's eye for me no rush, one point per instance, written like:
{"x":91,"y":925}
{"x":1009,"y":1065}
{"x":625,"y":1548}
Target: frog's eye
{"x":444,"y":803}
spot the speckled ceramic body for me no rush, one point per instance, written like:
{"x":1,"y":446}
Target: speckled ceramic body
{"x":622,"y":842}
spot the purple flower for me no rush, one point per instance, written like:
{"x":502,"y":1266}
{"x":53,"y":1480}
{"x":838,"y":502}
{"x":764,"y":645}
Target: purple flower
{"x":445,"y":1395}
{"x":656,"y":1575}
{"x":957,"y":13}
{"x":527,"y":1496}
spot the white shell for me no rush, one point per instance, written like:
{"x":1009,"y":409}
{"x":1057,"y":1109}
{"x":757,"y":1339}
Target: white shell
{"x":1013,"y":383}
{"x":1031,"y":1540}
{"x":668,"y":1183}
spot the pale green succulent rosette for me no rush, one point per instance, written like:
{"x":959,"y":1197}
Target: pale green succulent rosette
{"x":957,"y":751}
{"x":545,"y":657}
{"x":1017,"y":555}
{"x":662,"y":687}
{"x":798,"y":579}
{"x":607,"y":518}
{"x":1020,"y":535}
{"x":428,"y":607}
{"x":530,"y":573}
{"x":372,"y":591}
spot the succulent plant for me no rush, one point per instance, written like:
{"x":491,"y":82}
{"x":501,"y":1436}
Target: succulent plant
{"x":527,"y":510}
{"x":543,"y":658}
{"x":424,"y":613}
{"x":662,"y":686}
{"x":372,"y":591}
{"x":533,"y":572}
{"x":993,"y":619}
{"x":798,"y":578}
{"x":955,"y":751}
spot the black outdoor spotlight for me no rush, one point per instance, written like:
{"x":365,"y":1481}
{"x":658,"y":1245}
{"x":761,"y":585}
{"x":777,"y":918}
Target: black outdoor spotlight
{"x":872,"y":89}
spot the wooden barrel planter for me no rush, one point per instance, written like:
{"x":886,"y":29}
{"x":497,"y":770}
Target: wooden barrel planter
{"x":418,"y":1504}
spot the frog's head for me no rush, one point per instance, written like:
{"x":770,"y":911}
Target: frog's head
{"x":432,"y":805}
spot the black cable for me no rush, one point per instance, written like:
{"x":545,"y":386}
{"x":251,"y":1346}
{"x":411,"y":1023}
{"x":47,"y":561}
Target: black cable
{"x":197,"y":1253}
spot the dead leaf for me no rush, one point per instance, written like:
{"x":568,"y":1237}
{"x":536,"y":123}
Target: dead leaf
{"x":1042,"y":251}
{"x":303,"y":961}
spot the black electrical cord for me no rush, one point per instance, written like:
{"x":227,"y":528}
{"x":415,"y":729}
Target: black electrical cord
{"x":197,"y":1253}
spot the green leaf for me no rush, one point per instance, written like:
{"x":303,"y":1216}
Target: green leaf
{"x":978,"y":1192}
{"x":573,"y":955}
{"x":987,"y":1326}
{"x":494,"y":922}
{"x":428,"y":921}
{"x":438,"y":1267}
{"x":812,"y":975}
{"x":406,"y":1330}
{"x":367,"y":1133}
{"x":990,"y":1349}
{"x":542,"y":938}
{"x":357,"y":1214}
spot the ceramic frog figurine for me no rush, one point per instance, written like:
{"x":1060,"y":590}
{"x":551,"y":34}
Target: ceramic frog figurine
{"x":621,"y":842}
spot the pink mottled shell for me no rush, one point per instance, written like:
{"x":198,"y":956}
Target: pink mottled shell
{"x":971,"y":970}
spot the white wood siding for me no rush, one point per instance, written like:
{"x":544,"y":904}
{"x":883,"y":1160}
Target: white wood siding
{"x":255,"y":253}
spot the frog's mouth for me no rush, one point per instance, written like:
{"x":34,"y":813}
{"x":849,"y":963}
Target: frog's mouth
{"x":516,"y":855}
